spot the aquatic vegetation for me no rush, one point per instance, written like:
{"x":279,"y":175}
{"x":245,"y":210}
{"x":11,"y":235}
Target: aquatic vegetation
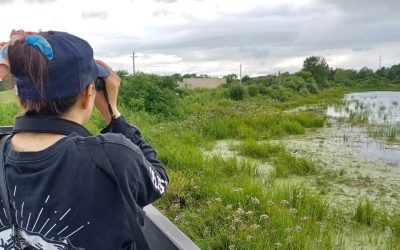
{"x":390,"y":133}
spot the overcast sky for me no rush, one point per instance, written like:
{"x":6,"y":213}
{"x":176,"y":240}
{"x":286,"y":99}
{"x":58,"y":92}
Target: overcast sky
{"x":215,"y":36}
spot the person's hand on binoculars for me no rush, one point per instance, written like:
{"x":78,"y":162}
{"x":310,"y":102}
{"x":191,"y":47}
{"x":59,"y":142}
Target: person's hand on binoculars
{"x":112,"y":84}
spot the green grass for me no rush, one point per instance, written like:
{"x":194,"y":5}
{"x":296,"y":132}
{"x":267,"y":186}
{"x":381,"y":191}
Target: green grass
{"x":7,"y":97}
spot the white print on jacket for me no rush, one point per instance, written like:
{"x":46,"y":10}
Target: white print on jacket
{"x":158,"y":183}
{"x":37,"y":232}
{"x":33,"y":241}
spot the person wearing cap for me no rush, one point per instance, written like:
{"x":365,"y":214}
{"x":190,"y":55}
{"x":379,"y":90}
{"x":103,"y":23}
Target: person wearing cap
{"x":59,"y":197}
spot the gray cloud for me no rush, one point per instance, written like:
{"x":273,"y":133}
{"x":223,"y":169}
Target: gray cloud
{"x":161,"y":12}
{"x":98,"y":14}
{"x":269,"y":35}
{"x":165,"y":1}
{"x":40,"y":1}
{"x":366,"y":11}
{"x":27,"y":1}
{"x":356,"y":5}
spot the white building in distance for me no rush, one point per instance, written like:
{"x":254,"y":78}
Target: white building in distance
{"x":207,"y":83}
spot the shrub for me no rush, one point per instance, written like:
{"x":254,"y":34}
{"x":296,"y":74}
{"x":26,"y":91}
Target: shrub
{"x":263,"y":90}
{"x":236,"y":92}
{"x":253,"y":90}
{"x":304,"y":91}
{"x":151,"y":93}
{"x":278,"y":93}
{"x":313,"y":88}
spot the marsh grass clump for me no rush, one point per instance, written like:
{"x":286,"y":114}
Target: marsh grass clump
{"x":285,"y":163}
{"x":365,"y":213}
{"x":254,"y":149}
{"x":231,"y":167}
{"x":395,"y":224}
{"x":359,"y":118}
{"x":310,"y":119}
{"x":391,"y":133}
{"x":249,"y":125}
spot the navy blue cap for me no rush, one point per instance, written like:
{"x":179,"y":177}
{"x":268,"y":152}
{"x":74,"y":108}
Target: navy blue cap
{"x":70,"y":70}
{"x":103,"y":72}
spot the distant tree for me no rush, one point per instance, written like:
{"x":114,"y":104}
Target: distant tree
{"x":382,"y":72}
{"x":168,"y":82}
{"x":266,"y":80}
{"x":293,"y":82}
{"x":306,"y":75}
{"x":343,"y":75}
{"x":122,"y":73}
{"x":331,"y":74}
{"x":191,"y":75}
{"x":178,"y":77}
{"x":394,"y":73}
{"x":319,"y":69}
{"x":365,"y":72}
{"x":246,"y":79}
{"x":231,"y":78}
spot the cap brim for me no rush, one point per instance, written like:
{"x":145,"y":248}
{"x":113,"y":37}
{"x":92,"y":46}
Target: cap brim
{"x":103,"y":72}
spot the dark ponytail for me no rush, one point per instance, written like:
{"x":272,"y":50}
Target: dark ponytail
{"x":26,"y":61}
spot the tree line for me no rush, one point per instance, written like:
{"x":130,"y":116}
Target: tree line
{"x":159,"y":95}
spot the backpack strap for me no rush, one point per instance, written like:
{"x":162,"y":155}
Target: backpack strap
{"x":100,"y":158}
{"x":5,"y":198}
{"x":3,"y":182}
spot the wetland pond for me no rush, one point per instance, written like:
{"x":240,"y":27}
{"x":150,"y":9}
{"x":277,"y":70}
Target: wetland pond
{"x":358,"y":150}
{"x":369,"y":122}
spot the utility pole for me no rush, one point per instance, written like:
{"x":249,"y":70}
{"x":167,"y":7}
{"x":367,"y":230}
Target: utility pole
{"x":240,"y":73}
{"x":380,"y":62}
{"x":133,"y":63}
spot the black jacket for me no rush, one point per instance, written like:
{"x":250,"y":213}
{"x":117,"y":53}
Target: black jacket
{"x":63,"y":201}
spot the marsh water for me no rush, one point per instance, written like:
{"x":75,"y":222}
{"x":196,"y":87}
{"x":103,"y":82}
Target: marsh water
{"x":379,"y":114}
{"x":378,"y":107}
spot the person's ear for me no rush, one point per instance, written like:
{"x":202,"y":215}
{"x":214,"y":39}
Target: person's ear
{"x":86,"y":95}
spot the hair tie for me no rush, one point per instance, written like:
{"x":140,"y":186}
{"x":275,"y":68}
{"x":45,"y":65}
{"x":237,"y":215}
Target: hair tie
{"x":4,"y":61}
{"x":3,"y":52}
{"x":41,"y":44}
